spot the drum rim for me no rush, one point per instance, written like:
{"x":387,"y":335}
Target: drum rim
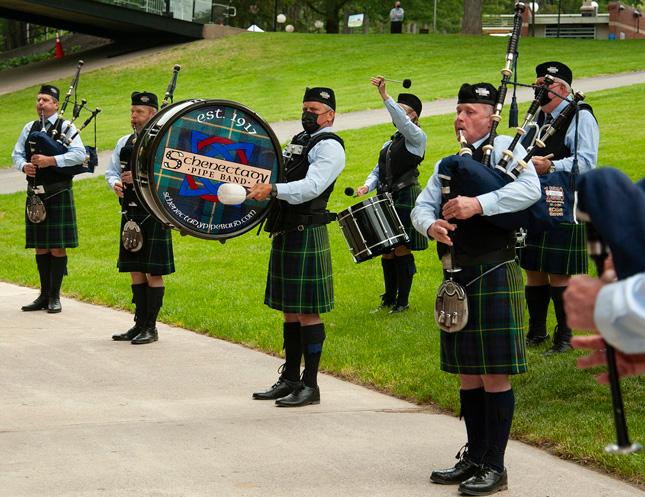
{"x":158,"y":207}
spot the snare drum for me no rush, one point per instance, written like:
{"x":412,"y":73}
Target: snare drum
{"x":188,"y":150}
{"x":372,"y":227}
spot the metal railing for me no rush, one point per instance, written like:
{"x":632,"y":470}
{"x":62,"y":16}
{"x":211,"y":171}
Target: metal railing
{"x":199,"y":11}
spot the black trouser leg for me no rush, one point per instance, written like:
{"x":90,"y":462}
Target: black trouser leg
{"x":473,"y":410}
{"x":292,"y":351}
{"x":537,"y":301}
{"x":405,"y":271}
{"x":500,"y":407}
{"x":389,"y":276}
{"x":154,"y":302}
{"x":312,"y":337}
{"x":58,"y":269}
{"x":563,"y":333}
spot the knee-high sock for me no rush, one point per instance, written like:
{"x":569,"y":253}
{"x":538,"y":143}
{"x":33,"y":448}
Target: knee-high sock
{"x":405,"y":271}
{"x":58,"y":270}
{"x":312,"y":337}
{"x":564,"y":332}
{"x":140,"y":301}
{"x":292,"y":351}
{"x":537,"y":300}
{"x":389,"y":276}
{"x":43,"y":261}
{"x":500,"y":407}
{"x":473,"y":410}
{"x":154,"y":302}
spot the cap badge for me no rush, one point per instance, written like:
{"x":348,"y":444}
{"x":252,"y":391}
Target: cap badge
{"x":144,"y":98}
{"x":324,"y":94}
{"x":482,"y":92}
{"x":552,"y":69}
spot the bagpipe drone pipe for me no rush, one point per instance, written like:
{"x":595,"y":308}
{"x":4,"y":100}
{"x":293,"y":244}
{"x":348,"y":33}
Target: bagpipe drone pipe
{"x":55,"y":141}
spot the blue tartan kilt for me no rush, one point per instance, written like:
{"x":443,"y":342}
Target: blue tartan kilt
{"x":300,"y":272}
{"x":493,"y":340}
{"x":562,"y":250}
{"x":58,"y":229}
{"x":156,"y":256}
{"x":403,"y":204}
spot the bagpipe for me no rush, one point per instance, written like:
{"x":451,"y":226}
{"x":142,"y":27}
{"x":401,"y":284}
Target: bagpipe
{"x":55,"y":140}
{"x":462,"y":175}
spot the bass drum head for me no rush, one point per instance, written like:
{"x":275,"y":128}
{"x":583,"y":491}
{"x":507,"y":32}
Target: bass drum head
{"x":188,"y":150}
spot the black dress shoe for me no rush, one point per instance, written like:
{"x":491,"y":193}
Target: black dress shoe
{"x":53,"y":306}
{"x":148,"y":335}
{"x":37,"y":305}
{"x":302,"y":396}
{"x":129,"y":335}
{"x":559,"y":347}
{"x":384,"y":305}
{"x":532,"y":341}
{"x":398,"y":308}
{"x":464,"y":469}
{"x":486,"y":481}
{"x":280,"y":388}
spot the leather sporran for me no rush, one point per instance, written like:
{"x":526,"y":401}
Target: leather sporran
{"x":131,"y":237}
{"x":451,"y":307}
{"x":36,"y":211}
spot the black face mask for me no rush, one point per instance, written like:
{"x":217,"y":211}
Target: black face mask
{"x":310,"y":122}
{"x":546,"y":98}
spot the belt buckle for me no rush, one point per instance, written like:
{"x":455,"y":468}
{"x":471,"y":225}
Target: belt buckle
{"x":39,"y":190}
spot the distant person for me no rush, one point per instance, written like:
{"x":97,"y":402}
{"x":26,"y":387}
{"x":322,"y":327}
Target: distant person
{"x":550,"y":258}
{"x":397,"y":172}
{"x":396,"y":18}
{"x":54,"y":233}
{"x":149,"y":258}
{"x":299,"y":281}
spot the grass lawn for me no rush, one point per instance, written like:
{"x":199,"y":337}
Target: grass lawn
{"x":218,"y":289}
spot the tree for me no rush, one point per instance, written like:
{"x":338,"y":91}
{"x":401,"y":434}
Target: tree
{"x":330,"y":10}
{"x":472,"y":22}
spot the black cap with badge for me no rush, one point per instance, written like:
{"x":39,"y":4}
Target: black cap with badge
{"x":145,"y":98}
{"x":50,"y":90}
{"x":555,"y":69}
{"x":323,"y":95}
{"x":411,"y":101}
{"x":480,"y":93}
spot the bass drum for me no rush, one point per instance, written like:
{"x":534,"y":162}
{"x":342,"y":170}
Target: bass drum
{"x":188,"y":150}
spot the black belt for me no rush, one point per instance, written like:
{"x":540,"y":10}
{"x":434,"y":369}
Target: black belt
{"x":494,"y":257}
{"x":54,"y":187}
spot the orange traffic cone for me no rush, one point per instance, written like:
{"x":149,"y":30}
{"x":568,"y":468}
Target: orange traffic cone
{"x":59,"y":48}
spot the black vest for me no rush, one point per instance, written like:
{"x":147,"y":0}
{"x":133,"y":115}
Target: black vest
{"x":45,"y":175}
{"x":125,"y":158}
{"x":476,"y":236}
{"x":397,"y":166}
{"x":555,"y":144}
{"x":288,"y":216}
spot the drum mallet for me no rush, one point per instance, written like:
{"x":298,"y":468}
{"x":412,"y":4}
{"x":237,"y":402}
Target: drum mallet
{"x":406,"y":82}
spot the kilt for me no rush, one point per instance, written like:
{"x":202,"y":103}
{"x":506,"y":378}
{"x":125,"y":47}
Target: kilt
{"x":300,"y":273}
{"x":562,"y":250}
{"x":403,"y":204}
{"x":58,"y":230}
{"x":156,"y":256}
{"x":493,"y":340}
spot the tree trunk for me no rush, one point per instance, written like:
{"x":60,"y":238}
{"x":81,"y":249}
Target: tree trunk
{"x":16,"y":34}
{"x":472,"y":22}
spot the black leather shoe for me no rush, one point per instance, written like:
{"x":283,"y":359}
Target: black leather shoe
{"x":53,"y":306}
{"x":280,"y":388}
{"x":37,"y":305}
{"x":384,"y":305}
{"x":302,"y":396}
{"x":398,"y":308}
{"x":464,"y":469}
{"x":486,"y":481}
{"x":559,"y":347}
{"x":532,"y":341}
{"x":148,"y":335}
{"x":129,"y":335}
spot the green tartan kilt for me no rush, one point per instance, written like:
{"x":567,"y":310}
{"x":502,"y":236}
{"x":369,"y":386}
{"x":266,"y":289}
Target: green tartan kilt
{"x":493,"y":340}
{"x":156,"y":256}
{"x":403,"y":204}
{"x":300,"y":273}
{"x":562,"y":250}
{"x":58,"y":230}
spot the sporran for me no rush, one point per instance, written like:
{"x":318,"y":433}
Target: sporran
{"x":36,"y":211}
{"x":131,"y":237}
{"x":451,"y":307}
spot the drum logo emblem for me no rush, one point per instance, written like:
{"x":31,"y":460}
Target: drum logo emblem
{"x":555,"y":200}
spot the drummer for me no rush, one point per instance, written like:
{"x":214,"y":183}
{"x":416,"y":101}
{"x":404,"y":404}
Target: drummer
{"x":150,"y":256}
{"x":396,"y":172}
{"x":299,"y":282}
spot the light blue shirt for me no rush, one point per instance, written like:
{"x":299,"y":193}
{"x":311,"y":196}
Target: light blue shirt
{"x":415,"y":138}
{"x":326,"y":162}
{"x":113,"y":171}
{"x":75,"y":153}
{"x":620,"y":314}
{"x":512,"y":197}
{"x":588,"y":141}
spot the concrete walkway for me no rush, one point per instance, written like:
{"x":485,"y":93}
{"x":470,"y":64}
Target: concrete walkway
{"x":83,"y":415}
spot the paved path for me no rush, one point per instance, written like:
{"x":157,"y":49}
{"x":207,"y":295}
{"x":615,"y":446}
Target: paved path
{"x":83,"y":415}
